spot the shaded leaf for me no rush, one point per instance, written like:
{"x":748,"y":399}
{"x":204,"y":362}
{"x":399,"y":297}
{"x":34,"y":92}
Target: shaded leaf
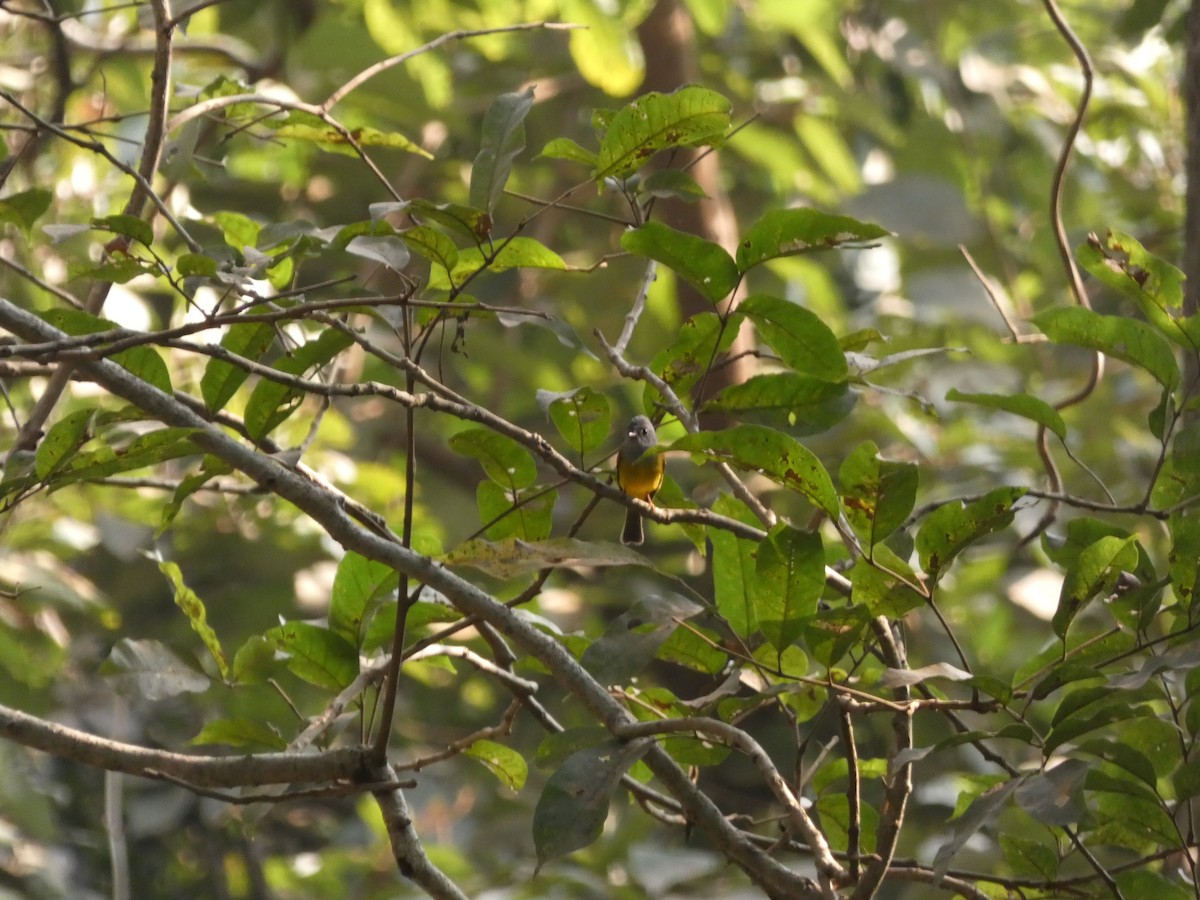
{"x":504,"y":460}
{"x":24,"y":208}
{"x":582,"y":416}
{"x":1095,"y":571}
{"x":565,"y":148}
{"x":221,"y":378}
{"x":240,"y":732}
{"x":502,"y":138}
{"x":983,"y":811}
{"x":152,"y":670}
{"x":799,"y":404}
{"x":791,"y":575}
{"x":771,"y":453}
{"x":571,"y":810}
{"x":702,"y":263}
{"x":273,"y":402}
{"x":511,"y":558}
{"x":802,"y":340}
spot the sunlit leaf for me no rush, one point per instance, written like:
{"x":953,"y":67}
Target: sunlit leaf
{"x":316,"y":655}
{"x":1128,"y":339}
{"x":197,"y":614}
{"x":786,"y":232}
{"x":688,"y":117}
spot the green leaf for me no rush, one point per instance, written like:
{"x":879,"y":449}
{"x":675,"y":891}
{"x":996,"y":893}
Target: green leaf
{"x":221,"y":379}
{"x":239,"y":231}
{"x":695,"y":648}
{"x":632,"y":640}
{"x":799,"y":404}
{"x":148,"y":449}
{"x":116,"y":271}
{"x":302,"y":127}
{"x":802,"y":340}
{"x":791,"y":576}
{"x":1028,"y":857}
{"x":787,"y":232}
{"x":1095,"y":571}
{"x":193,"y":607}
{"x":465,"y":220}
{"x":1121,"y":262}
{"x":24,"y":208}
{"x":254,"y":661}
{"x":146,"y":363}
{"x":527,"y":515}
{"x":771,"y":453}
{"x":673,"y":184}
{"x":952,"y":528}
{"x":127,"y":226}
{"x":1127,"y":339}
{"x":63,"y":441}
{"x":1023,"y":405}
{"x":316,"y":655}
{"x":882,"y":593}
{"x":582,"y":416}
{"x":504,"y":460}
{"x":514,"y":253}
{"x":705,"y":265}
{"x":565,"y":148}
{"x":503,"y":137}
{"x":736,"y":588}
{"x":190,"y":264}
{"x":240,"y":732}
{"x":505,"y":763}
{"x":431,"y":244}
{"x":151,"y":670}
{"x":877,"y":494}
{"x":271,"y":401}
{"x":699,"y":341}
{"x":358,"y":583}
{"x":689,"y":117}
{"x":571,"y":810}
{"x":1144,"y":883}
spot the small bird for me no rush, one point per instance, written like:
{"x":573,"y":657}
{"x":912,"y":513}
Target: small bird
{"x":638,"y":475}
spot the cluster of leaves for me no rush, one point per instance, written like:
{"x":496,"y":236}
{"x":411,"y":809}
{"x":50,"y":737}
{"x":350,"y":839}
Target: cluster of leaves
{"x":1087,"y":726}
